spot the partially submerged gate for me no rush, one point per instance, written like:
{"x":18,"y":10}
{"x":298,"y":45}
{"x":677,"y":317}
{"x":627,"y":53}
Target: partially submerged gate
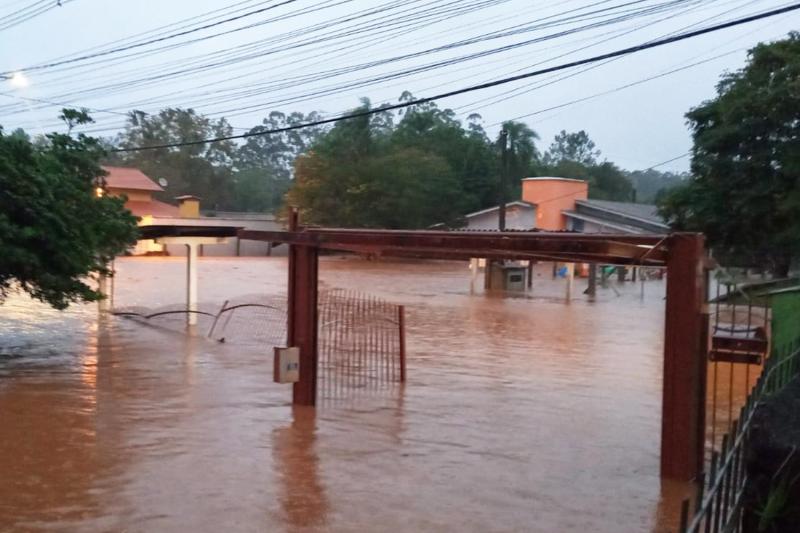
{"x":683,"y":254}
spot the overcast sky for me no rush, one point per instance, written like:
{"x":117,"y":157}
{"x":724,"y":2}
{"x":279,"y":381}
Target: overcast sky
{"x":320,"y":55}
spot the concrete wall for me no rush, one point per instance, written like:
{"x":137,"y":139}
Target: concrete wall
{"x":132,"y":195}
{"x":552,"y":196}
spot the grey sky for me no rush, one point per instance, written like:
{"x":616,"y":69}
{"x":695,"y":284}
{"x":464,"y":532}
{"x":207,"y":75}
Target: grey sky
{"x":635,"y":127}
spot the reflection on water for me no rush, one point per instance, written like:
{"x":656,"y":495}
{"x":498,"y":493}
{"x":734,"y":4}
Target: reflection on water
{"x":520,"y":414}
{"x":302,"y":495}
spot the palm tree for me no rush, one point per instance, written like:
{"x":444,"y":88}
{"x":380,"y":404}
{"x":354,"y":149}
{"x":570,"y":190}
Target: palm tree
{"x":521,"y":153}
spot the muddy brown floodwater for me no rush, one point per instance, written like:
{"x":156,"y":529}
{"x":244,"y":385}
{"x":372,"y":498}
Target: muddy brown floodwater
{"x":520,"y":414}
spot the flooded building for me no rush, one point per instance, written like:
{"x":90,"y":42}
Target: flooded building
{"x":138,"y":190}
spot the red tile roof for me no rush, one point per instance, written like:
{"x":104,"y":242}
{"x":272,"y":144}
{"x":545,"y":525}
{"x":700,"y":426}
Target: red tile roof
{"x":129,"y":178}
{"x":153,"y":207}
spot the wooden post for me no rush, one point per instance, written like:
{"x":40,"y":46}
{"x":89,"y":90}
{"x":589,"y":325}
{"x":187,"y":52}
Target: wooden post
{"x":570,"y":277}
{"x":113,"y":282}
{"x":401,"y":321}
{"x":591,"y":290}
{"x":302,"y":315}
{"x":683,"y":405}
{"x":530,"y":273}
{"x":238,"y":246}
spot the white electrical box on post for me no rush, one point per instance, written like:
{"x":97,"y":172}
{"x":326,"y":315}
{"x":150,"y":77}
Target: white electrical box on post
{"x":286,"y":365}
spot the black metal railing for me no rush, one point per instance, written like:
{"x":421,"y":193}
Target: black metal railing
{"x":718,"y":502}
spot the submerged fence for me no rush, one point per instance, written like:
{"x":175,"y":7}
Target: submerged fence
{"x":718,"y":504}
{"x":361,"y":342}
{"x":361,"y":339}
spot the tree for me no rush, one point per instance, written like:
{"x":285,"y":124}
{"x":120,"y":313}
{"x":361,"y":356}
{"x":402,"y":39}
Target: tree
{"x":745,"y":190}
{"x":276,"y":152}
{"x":608,"y":182}
{"x":577,"y":147}
{"x":263,"y":165}
{"x":522,"y":153}
{"x":204,"y":170}
{"x":54,"y":230}
{"x":370,"y":172}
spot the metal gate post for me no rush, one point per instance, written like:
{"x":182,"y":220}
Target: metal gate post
{"x":683,"y":407}
{"x":302,"y":317}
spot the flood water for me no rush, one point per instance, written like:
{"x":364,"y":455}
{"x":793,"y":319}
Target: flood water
{"x":519,"y":414}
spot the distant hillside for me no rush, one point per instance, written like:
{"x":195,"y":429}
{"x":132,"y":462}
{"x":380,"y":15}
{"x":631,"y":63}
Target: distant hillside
{"x":648,"y":183}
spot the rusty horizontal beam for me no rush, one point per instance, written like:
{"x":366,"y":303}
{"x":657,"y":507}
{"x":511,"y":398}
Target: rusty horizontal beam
{"x":549,"y":235}
{"x":572,"y":247}
{"x":455,"y":254}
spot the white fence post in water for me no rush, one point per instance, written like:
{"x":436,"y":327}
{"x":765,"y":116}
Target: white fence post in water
{"x":191,"y":283}
{"x":191,"y":244}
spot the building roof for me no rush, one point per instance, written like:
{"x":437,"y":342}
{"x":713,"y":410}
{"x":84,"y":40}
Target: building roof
{"x":152,"y":208}
{"x":129,"y":178}
{"x":516,"y":203}
{"x":187,"y":197}
{"x":605,"y":224}
{"x":644,"y":212}
{"x":553,"y":178}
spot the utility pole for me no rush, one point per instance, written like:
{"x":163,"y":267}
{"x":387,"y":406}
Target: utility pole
{"x":503,"y":179}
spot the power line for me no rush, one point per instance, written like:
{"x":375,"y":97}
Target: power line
{"x":401,"y":105}
{"x":293,"y":82}
{"x":668,"y":161}
{"x":31,"y":11}
{"x":156,"y":40}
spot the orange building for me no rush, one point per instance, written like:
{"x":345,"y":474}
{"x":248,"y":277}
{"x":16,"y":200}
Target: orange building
{"x":553,"y":196}
{"x":138,"y":189}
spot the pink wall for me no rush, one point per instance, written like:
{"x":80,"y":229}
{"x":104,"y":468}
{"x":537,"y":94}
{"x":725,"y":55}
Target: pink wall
{"x":552,"y":196}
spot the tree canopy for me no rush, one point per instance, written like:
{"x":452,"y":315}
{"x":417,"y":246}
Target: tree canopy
{"x":54,"y":230}
{"x":745,"y":190}
{"x":574,"y":155}
{"x":405,"y":170}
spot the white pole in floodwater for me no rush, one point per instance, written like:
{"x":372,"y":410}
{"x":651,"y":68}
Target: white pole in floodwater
{"x":191,"y":283}
{"x":192,"y":244}
{"x":473,"y":268}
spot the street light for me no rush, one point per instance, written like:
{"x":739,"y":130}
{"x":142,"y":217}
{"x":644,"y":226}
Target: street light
{"x":100,"y":186}
{"x":18,"y":79}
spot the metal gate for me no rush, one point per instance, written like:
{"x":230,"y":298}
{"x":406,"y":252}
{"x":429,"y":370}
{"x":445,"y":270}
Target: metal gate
{"x":361,"y":342}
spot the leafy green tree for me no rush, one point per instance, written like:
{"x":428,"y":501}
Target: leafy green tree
{"x":745,"y":193}
{"x":263,"y":165}
{"x":608,"y":182}
{"x":469,"y":154}
{"x":54,"y":230}
{"x":204,"y":170}
{"x":574,"y":155}
{"x":276,"y":152}
{"x":371,"y":172}
{"x":577,"y":147}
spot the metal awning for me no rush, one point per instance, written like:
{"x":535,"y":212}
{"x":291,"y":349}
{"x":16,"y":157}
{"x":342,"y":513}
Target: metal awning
{"x":619,"y":249}
{"x":159,"y":231}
